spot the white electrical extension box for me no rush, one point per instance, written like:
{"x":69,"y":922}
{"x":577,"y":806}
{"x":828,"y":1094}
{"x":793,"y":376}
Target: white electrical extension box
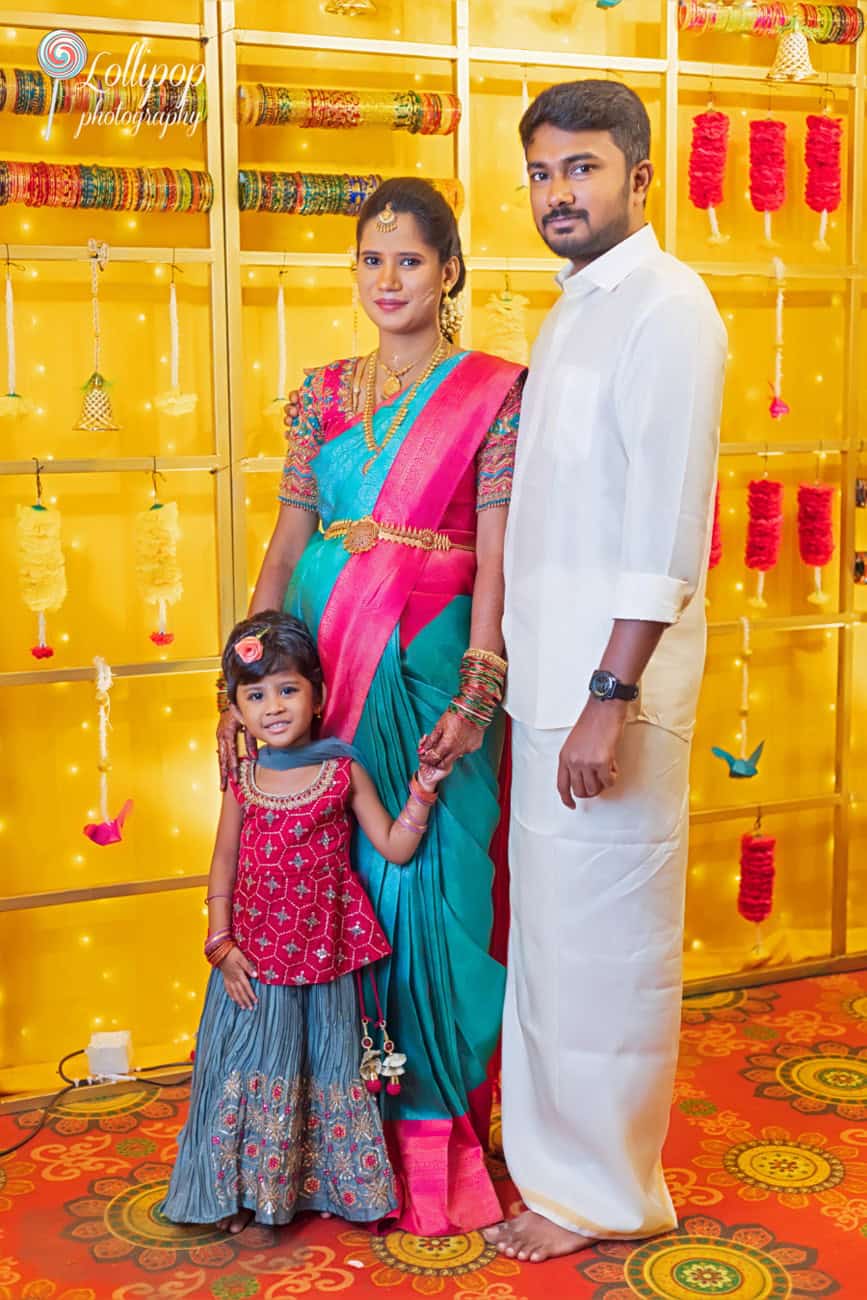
{"x":109,"y":1053}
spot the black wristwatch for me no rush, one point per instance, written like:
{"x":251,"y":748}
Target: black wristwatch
{"x":605,"y":686}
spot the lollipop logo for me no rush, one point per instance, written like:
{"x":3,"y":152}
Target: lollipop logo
{"x":62,"y":54}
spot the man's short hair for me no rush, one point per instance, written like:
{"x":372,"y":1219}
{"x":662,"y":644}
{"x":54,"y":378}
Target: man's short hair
{"x":592,"y":105}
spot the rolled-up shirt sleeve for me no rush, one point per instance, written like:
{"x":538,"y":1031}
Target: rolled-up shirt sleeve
{"x":668,"y":394}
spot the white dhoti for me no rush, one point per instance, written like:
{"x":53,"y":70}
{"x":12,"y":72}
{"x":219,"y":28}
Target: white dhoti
{"x":592,"y":1014}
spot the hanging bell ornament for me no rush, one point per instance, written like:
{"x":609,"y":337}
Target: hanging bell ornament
{"x":792,"y":61}
{"x":96,"y":413}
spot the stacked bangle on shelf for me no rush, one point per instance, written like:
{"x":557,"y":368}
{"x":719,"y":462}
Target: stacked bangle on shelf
{"x":309,"y":194}
{"x":418,"y":112}
{"x":483,"y":681}
{"x":223,"y":700}
{"x":825,"y":24}
{"x":27,"y":91}
{"x":121,"y":189}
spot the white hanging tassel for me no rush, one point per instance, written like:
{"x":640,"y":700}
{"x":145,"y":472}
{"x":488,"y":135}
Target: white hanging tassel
{"x":10,"y":336}
{"x":281,"y":341}
{"x":746,"y":653}
{"x":173,"y":330}
{"x":779,"y":406}
{"x":276,"y":406}
{"x":174,"y":402}
{"x":104,"y":683}
{"x":525,"y":104}
{"x":107,"y":830}
{"x":11,"y":403}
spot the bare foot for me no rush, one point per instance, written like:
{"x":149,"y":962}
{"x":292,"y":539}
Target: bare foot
{"x":533,"y":1238}
{"x":492,"y":1235}
{"x":237,"y":1222}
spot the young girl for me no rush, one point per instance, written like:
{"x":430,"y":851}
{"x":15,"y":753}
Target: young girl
{"x":280,"y":1119}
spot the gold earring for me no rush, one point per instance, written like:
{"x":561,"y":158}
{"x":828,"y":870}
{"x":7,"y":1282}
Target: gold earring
{"x":386,"y":222}
{"x":451,"y":317}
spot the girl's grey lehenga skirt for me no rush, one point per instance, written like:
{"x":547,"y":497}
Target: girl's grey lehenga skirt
{"x":279,"y":1120}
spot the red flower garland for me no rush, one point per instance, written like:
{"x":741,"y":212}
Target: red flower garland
{"x":815,"y":525}
{"x":716,"y":535}
{"x":823,"y":187}
{"x":767,"y":167}
{"x":816,"y":532}
{"x":707,"y":163}
{"x":765,"y":527}
{"x":764,"y":530}
{"x":756,"y":891}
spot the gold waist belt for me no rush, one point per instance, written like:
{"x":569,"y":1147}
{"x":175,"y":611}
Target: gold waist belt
{"x":360,"y":535}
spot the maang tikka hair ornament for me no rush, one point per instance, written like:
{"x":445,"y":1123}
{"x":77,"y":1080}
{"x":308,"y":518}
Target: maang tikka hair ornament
{"x":386,"y":222}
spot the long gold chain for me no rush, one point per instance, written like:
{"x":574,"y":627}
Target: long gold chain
{"x":374,"y":447}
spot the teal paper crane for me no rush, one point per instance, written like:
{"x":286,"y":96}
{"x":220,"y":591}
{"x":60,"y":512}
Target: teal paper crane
{"x":740,"y":768}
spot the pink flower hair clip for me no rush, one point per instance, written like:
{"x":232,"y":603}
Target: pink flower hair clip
{"x":249,"y":648}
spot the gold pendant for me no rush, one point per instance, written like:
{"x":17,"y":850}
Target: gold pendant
{"x":391,"y":387}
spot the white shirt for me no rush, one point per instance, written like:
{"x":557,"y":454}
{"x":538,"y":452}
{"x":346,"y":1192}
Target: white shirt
{"x":612,"y":502}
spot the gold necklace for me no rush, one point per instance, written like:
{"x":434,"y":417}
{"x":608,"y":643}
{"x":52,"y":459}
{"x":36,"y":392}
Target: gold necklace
{"x":374,"y":447}
{"x":392,"y":385}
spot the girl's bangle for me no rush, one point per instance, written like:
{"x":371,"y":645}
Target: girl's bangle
{"x":410,"y":825}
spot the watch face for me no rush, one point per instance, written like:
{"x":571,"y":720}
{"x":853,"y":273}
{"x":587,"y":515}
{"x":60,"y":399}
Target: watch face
{"x":602,"y":684}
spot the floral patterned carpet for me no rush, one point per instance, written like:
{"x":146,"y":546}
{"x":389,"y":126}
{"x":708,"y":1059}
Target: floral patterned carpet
{"x":766,"y":1160}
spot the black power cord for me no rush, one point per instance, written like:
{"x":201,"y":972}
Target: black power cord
{"x":71,"y":1084}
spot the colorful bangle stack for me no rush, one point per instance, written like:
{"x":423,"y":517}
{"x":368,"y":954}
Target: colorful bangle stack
{"x":223,"y":700}
{"x":27,"y":91}
{"x":341,"y":110}
{"x":825,"y":24}
{"x":483,"y":681}
{"x":123,"y":189}
{"x":218,"y":946}
{"x":308,"y":194}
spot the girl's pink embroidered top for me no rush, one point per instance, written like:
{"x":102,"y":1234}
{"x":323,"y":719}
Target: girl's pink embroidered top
{"x":299,"y":911}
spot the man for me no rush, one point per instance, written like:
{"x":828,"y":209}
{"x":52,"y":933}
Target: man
{"x":606,"y":554}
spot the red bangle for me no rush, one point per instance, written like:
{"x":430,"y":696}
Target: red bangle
{"x":426,"y":797}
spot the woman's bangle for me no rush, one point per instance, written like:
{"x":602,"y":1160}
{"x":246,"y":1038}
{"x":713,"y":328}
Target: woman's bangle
{"x":488,"y":657}
{"x":210,"y":897}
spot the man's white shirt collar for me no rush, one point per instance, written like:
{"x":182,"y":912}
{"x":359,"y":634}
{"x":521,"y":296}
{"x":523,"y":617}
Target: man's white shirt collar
{"x":609,"y":270}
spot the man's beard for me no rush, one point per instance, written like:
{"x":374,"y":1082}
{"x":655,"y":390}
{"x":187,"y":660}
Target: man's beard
{"x":576,"y":247}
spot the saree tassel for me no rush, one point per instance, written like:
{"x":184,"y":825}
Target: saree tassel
{"x":393,"y":1063}
{"x":370,"y":1067}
